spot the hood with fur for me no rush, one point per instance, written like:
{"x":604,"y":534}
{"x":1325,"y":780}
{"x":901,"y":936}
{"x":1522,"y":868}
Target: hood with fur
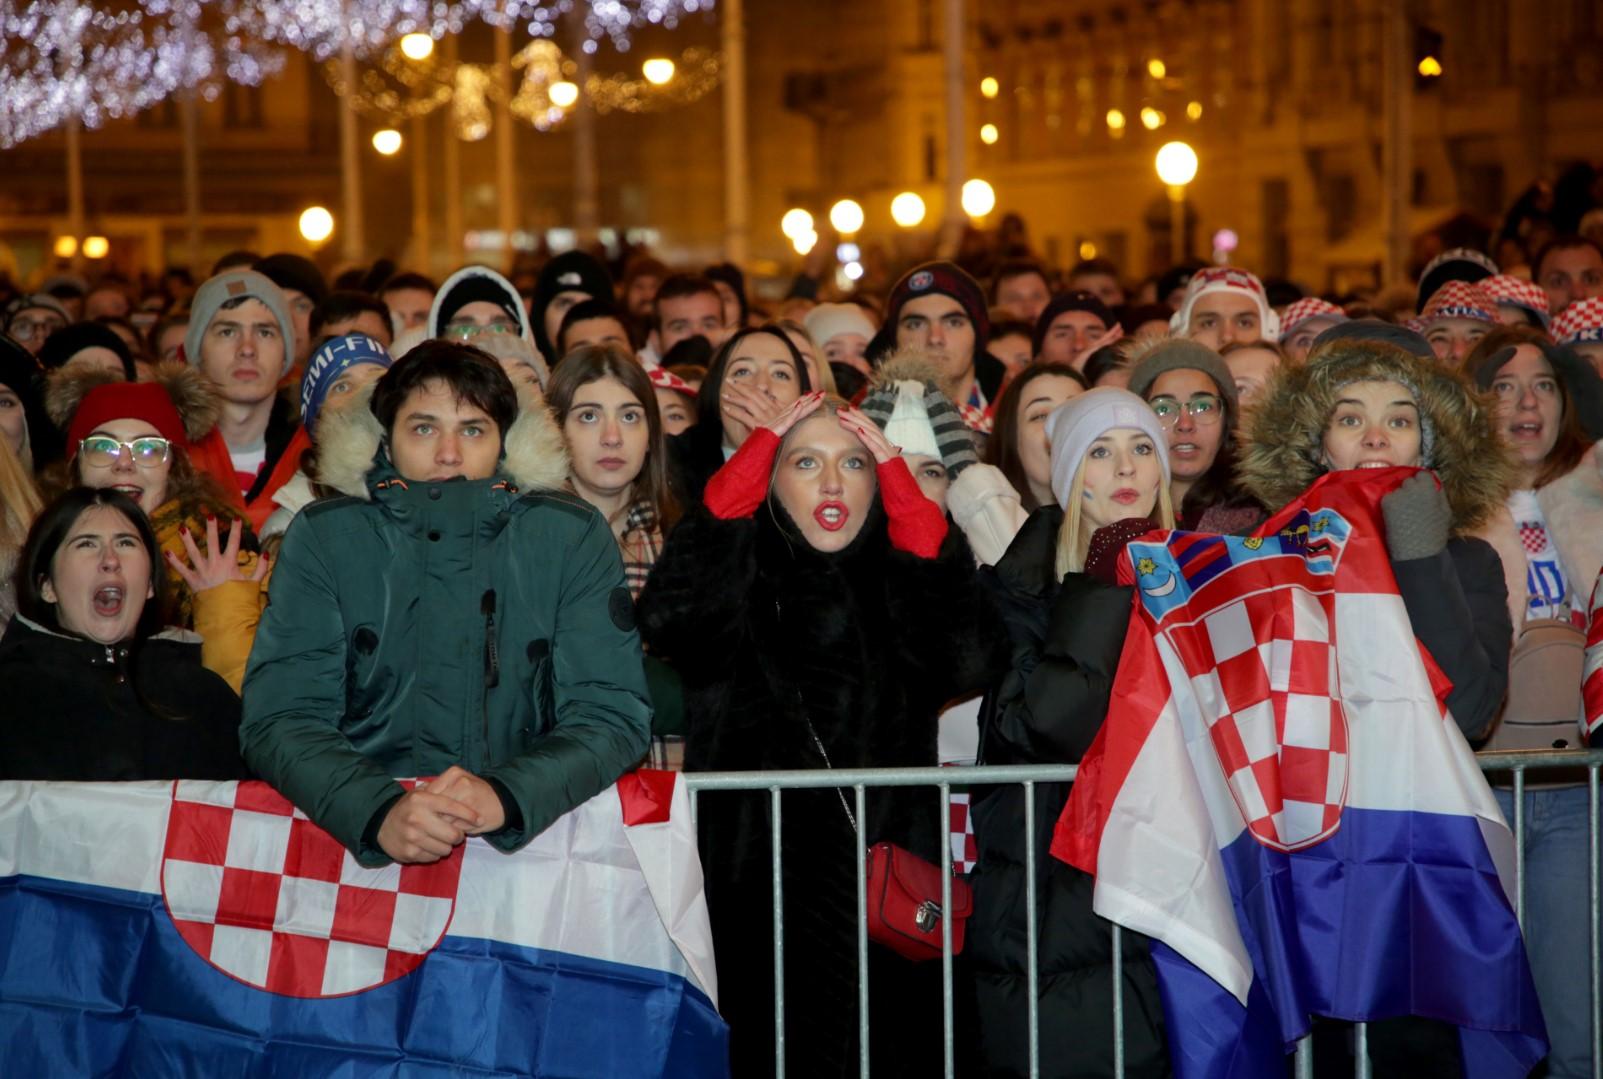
{"x":533,"y":455}
{"x":193,"y":395}
{"x":1280,"y":457}
{"x":481,"y":276}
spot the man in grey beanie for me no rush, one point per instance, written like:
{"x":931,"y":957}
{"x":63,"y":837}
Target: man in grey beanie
{"x":240,"y":336}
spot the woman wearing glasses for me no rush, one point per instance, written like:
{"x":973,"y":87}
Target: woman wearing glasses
{"x":1191,"y":390}
{"x":134,"y":437}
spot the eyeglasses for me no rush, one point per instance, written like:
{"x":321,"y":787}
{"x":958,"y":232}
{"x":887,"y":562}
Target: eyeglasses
{"x":466,"y":331}
{"x":23,"y":329}
{"x":103,"y":451}
{"x":1204,"y":408}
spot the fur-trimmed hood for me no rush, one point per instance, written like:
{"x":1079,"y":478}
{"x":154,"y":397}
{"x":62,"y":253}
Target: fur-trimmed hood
{"x":533,"y":455}
{"x":192,"y":394}
{"x":1280,"y":457}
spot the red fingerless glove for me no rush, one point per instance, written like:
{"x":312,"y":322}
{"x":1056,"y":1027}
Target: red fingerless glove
{"x":916,"y":525}
{"x":738,"y":488}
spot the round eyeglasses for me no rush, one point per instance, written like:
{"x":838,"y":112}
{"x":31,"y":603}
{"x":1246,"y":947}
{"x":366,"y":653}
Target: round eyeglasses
{"x":467,"y":331}
{"x":1204,"y":408}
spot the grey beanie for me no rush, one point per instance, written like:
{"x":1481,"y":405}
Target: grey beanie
{"x":1184,"y":354}
{"x":1081,"y":420}
{"x":235,"y":285}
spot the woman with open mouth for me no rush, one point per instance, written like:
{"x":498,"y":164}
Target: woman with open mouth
{"x":1549,"y":536}
{"x":135,"y":438}
{"x":1066,"y":617}
{"x":119,"y":697}
{"x":1383,"y":404}
{"x":820,"y":612}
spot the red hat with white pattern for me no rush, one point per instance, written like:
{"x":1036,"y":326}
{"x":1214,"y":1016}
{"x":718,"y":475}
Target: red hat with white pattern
{"x":664,"y":379}
{"x":1581,"y":323}
{"x":1309,"y":307}
{"x":1460,"y":299}
{"x":1226,"y":279}
{"x":1518,"y":292}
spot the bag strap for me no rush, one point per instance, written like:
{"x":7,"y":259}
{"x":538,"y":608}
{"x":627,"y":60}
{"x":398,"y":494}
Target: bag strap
{"x":819,"y":745}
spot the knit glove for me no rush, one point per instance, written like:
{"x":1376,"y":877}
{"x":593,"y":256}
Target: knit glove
{"x":738,"y":488}
{"x":1418,"y":518}
{"x":952,"y":435}
{"x":1107,"y":542}
{"x":915,"y":524}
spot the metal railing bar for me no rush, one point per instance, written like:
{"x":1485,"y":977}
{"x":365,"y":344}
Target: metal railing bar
{"x":1360,"y":1051}
{"x":970,"y":775}
{"x":1592,"y":906}
{"x":1032,"y":945}
{"x":1117,"y":938}
{"x":858,"y":799}
{"x":1519,"y":847}
{"x":779,"y":936}
{"x":948,"y":1042}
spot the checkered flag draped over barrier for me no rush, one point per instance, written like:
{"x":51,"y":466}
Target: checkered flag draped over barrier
{"x":269,"y":898}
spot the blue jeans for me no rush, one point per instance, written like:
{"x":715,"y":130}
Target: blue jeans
{"x":1555,"y":920}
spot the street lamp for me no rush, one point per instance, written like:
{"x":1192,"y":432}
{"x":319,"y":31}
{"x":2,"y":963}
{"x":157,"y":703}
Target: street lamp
{"x":563,"y":93}
{"x":387,"y":141}
{"x":847,"y":217}
{"x":658,"y":71}
{"x":804,"y":241}
{"x":796,"y":222}
{"x":989,"y":134}
{"x":417,"y":46}
{"x":96,"y":247}
{"x":317,"y":224}
{"x":979,"y":198}
{"x":1177,"y":167}
{"x":907,"y":210}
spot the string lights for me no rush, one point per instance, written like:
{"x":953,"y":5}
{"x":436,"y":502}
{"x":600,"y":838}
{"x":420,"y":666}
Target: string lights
{"x":72,"y":58}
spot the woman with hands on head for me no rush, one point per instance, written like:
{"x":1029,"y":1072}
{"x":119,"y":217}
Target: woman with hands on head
{"x":820,"y":613}
{"x":1066,"y":617}
{"x":755,"y":376}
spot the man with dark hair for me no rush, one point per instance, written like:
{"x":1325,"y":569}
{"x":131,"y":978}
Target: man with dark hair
{"x":1070,"y":328}
{"x":1569,"y":268}
{"x":345,"y":312}
{"x":1100,"y":278}
{"x":687,"y":305}
{"x":591,"y":322}
{"x":1022,"y":288}
{"x":410,"y":633}
{"x":938,"y":308}
{"x":409,"y":297}
{"x":572,"y":277}
{"x":303,"y":287}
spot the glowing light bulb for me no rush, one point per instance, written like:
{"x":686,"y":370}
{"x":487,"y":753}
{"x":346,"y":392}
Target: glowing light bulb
{"x":562,"y":94}
{"x":1115,"y":119}
{"x":1177,"y":164}
{"x":846,"y":216}
{"x":907,"y":209}
{"x":96,"y":247}
{"x":1194,"y":110}
{"x":853,"y":271}
{"x":66,"y":247}
{"x":989,"y":87}
{"x":317,"y":224}
{"x":804,"y":242}
{"x":1151,"y":118}
{"x":658,"y":70}
{"x":979,"y":198}
{"x":387,"y":141}
{"x":989,"y":134}
{"x":1087,"y":250}
{"x":796,"y":222}
{"x":1430,"y":67}
{"x":1157,"y":68}
{"x":417,"y":46}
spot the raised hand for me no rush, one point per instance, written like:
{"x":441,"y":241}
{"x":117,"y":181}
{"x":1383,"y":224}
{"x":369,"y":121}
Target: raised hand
{"x":219,"y":564}
{"x":869,"y":434}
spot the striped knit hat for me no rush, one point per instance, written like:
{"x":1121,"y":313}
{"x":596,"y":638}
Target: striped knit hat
{"x":916,"y":416}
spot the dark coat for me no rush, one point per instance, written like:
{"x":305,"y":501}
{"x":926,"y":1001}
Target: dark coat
{"x":79,"y":711}
{"x":1066,"y":639}
{"x":868,"y":643}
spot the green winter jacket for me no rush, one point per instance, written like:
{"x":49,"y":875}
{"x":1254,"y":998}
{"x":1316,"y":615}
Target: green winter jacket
{"x":425,"y":625}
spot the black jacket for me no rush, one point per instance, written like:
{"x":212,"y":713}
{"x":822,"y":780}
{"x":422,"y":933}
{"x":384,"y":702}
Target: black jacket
{"x":86,"y":712}
{"x":1458,"y":603}
{"x":868,"y":644}
{"x":1066,"y":639}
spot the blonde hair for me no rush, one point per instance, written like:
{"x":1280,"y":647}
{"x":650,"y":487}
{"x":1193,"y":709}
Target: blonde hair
{"x":19,"y":505}
{"x":1074,"y":540}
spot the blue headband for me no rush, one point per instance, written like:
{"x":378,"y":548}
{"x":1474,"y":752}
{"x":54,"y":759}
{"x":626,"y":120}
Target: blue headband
{"x":329,"y":362}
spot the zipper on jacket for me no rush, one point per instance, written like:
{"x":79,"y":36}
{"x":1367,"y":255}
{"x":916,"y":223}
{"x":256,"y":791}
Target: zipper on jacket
{"x":492,"y":663}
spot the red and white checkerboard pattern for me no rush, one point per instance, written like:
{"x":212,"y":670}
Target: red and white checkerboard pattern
{"x":1271,"y":698}
{"x":269,"y":898}
{"x":1533,"y":537}
{"x":960,"y":831}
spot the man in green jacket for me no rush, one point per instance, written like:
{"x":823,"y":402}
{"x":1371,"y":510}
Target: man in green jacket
{"x":457,"y":616}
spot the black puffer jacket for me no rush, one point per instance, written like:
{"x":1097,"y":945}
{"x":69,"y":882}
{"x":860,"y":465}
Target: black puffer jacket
{"x":868,"y":643}
{"x":72,"y":711}
{"x":1066,"y":639}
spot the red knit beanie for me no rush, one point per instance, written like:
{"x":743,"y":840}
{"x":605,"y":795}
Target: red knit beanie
{"x":125,"y":401}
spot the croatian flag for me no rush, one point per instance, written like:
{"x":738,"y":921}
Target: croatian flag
{"x":200,"y":928}
{"x":1592,"y":673}
{"x":1280,"y":800}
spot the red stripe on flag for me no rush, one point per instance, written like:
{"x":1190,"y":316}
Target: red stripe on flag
{"x":647,"y":796}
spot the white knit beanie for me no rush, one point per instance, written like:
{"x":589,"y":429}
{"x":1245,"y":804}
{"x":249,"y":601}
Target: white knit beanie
{"x":828,"y":321}
{"x":1226,"y":279}
{"x":1080,"y":421}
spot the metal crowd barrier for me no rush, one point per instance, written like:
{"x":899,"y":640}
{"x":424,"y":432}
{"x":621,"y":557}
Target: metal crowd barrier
{"x":1516,"y":764}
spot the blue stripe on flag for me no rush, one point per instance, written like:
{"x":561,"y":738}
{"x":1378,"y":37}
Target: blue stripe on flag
{"x":97,"y":981}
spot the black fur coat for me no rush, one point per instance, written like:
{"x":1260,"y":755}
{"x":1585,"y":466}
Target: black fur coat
{"x":868,"y":644}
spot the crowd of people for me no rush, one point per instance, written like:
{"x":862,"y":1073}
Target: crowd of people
{"x":521,"y":534}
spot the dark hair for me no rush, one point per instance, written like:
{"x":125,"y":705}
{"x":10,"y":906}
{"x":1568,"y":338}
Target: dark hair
{"x":592,"y":363}
{"x":1009,"y":327}
{"x":1002,"y":449}
{"x":408,"y":279}
{"x":680,"y":285}
{"x":472,"y":374}
{"x":235,"y":260}
{"x":50,"y":530}
{"x":1094,"y":266}
{"x":1260,"y":344}
{"x":1217,"y":485}
{"x":712,"y":386}
{"x":1499,"y":339}
{"x":1572,"y":443}
{"x":1018,"y":268}
{"x":1105,"y":359}
{"x":1567,"y":242}
{"x":342,"y":304}
{"x":588,"y":309}
{"x":693,"y":351}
